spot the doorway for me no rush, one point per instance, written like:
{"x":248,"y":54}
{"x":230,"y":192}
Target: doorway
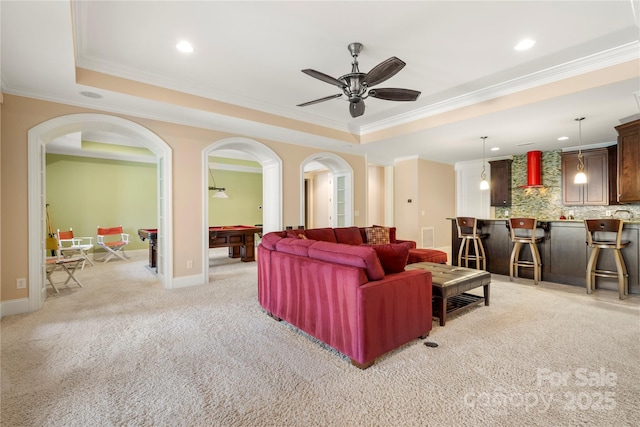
{"x":46,"y":132}
{"x":271,"y":186}
{"x":339,"y":194}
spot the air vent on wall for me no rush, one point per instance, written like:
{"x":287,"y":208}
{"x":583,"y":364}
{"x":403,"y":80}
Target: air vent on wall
{"x":428,"y":237}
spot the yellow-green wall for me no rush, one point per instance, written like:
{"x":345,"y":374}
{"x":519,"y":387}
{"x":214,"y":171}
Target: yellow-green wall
{"x":243,"y":207}
{"x":84,"y":193}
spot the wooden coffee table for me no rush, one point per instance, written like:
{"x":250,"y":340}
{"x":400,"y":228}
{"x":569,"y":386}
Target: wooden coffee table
{"x":450,"y":284}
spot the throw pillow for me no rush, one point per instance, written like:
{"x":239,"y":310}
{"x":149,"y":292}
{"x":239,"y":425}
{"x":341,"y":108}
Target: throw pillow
{"x":348,"y":235}
{"x":392,"y":232}
{"x":392,"y":256}
{"x":321,"y":234}
{"x":377,"y":235}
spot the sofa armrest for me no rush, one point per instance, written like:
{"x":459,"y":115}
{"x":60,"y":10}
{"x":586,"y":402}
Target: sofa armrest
{"x":413,"y":243}
{"x":392,"y":312}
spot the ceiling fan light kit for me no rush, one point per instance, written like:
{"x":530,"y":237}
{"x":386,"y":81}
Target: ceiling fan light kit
{"x":356,"y":85}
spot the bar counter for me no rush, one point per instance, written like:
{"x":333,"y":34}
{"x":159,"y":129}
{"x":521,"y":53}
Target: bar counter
{"x":564,"y":252}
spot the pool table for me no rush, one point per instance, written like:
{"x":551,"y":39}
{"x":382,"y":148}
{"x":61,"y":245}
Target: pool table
{"x":150,"y":234}
{"x":239,"y":238}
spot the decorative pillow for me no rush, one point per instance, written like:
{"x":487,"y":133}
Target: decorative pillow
{"x":392,"y":233}
{"x":377,"y":235}
{"x":348,"y":235}
{"x":321,"y":234}
{"x":392,"y":256}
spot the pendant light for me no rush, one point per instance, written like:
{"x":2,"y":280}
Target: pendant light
{"x":581,"y":177}
{"x":220,"y":194}
{"x":484,"y":184}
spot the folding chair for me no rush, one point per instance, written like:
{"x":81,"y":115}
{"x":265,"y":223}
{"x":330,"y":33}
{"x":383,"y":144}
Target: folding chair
{"x":59,"y":262}
{"x":68,"y":245}
{"x":113,"y":240}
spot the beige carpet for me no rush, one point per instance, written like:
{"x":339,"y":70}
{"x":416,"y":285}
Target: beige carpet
{"x":124,"y":351}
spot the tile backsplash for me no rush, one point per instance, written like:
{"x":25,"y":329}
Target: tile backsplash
{"x":546,"y":202}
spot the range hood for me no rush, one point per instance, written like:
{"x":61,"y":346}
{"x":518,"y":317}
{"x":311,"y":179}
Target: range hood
{"x":534,"y":170}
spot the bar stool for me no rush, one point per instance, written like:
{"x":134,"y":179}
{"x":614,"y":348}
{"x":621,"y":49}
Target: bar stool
{"x":528,"y":236}
{"x":606,"y":228}
{"x":468,"y":232}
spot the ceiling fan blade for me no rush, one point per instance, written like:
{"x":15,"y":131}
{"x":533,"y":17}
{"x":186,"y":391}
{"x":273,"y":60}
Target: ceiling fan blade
{"x":356,"y":108}
{"x":395,"y":94}
{"x":384,"y":70}
{"x":326,"y":98}
{"x":324,"y":77}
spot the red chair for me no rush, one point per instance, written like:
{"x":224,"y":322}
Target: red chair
{"x":113,"y":240}
{"x":68,"y":245}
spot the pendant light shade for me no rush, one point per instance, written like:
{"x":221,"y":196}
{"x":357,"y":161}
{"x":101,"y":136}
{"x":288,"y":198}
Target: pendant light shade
{"x":581,"y":177}
{"x":484,"y":184}
{"x":219,"y":191}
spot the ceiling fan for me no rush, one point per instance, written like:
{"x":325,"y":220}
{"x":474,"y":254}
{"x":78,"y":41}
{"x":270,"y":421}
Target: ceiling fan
{"x":357,"y":86}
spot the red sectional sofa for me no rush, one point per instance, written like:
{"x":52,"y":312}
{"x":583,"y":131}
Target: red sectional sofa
{"x":355,"y":298}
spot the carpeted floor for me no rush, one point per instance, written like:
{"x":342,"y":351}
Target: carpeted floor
{"x":124,"y":351}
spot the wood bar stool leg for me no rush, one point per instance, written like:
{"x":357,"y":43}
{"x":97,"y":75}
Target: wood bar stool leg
{"x":466,"y":252}
{"x":623,"y":277}
{"x":515,"y":256}
{"x":477,"y":253}
{"x":462,"y":245}
{"x":537,"y":263}
{"x":484,"y":256}
{"x":591,"y":269}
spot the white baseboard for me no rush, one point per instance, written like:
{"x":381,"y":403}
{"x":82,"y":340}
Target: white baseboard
{"x":14,"y":306}
{"x":186,"y":281}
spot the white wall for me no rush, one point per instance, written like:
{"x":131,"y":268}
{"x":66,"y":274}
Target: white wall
{"x":470,"y":200}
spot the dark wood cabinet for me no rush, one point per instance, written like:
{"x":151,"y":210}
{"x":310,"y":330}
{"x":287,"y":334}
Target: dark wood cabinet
{"x":600,"y":188}
{"x":629,"y":162}
{"x":501,"y":182}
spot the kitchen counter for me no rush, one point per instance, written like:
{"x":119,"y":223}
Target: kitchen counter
{"x":564,"y":252}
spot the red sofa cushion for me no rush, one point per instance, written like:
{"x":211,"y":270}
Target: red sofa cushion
{"x":269,"y":240}
{"x":294,"y":246}
{"x":321,"y":234}
{"x":357,"y":256}
{"x":348,"y":235}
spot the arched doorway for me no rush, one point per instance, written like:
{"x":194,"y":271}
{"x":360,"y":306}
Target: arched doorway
{"x":271,"y":186}
{"x":341,"y":191}
{"x":46,"y":132}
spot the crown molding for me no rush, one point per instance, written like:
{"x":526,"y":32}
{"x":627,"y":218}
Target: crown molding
{"x":618,"y":55}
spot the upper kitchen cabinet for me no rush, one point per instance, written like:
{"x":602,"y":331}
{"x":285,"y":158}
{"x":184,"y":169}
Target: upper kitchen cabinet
{"x":629,"y":162}
{"x":600,"y":188}
{"x":501,"y":182}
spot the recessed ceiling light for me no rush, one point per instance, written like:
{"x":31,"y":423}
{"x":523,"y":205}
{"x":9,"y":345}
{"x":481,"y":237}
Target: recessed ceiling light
{"x":184,"y":46}
{"x":525,"y":44}
{"x":91,"y":94}
{"x":563,"y":138}
{"x":495,"y":149}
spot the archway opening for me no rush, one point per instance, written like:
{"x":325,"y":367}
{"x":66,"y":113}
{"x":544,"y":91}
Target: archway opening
{"x":335,"y":188}
{"x":271,"y":185}
{"x":58,"y":127}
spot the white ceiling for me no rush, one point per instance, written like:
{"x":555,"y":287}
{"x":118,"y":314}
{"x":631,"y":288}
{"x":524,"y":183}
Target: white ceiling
{"x":251,"y":54}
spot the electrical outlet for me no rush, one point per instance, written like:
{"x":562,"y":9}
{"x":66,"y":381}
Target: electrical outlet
{"x":607,"y":213}
{"x":190,"y":263}
{"x":21,"y":283}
